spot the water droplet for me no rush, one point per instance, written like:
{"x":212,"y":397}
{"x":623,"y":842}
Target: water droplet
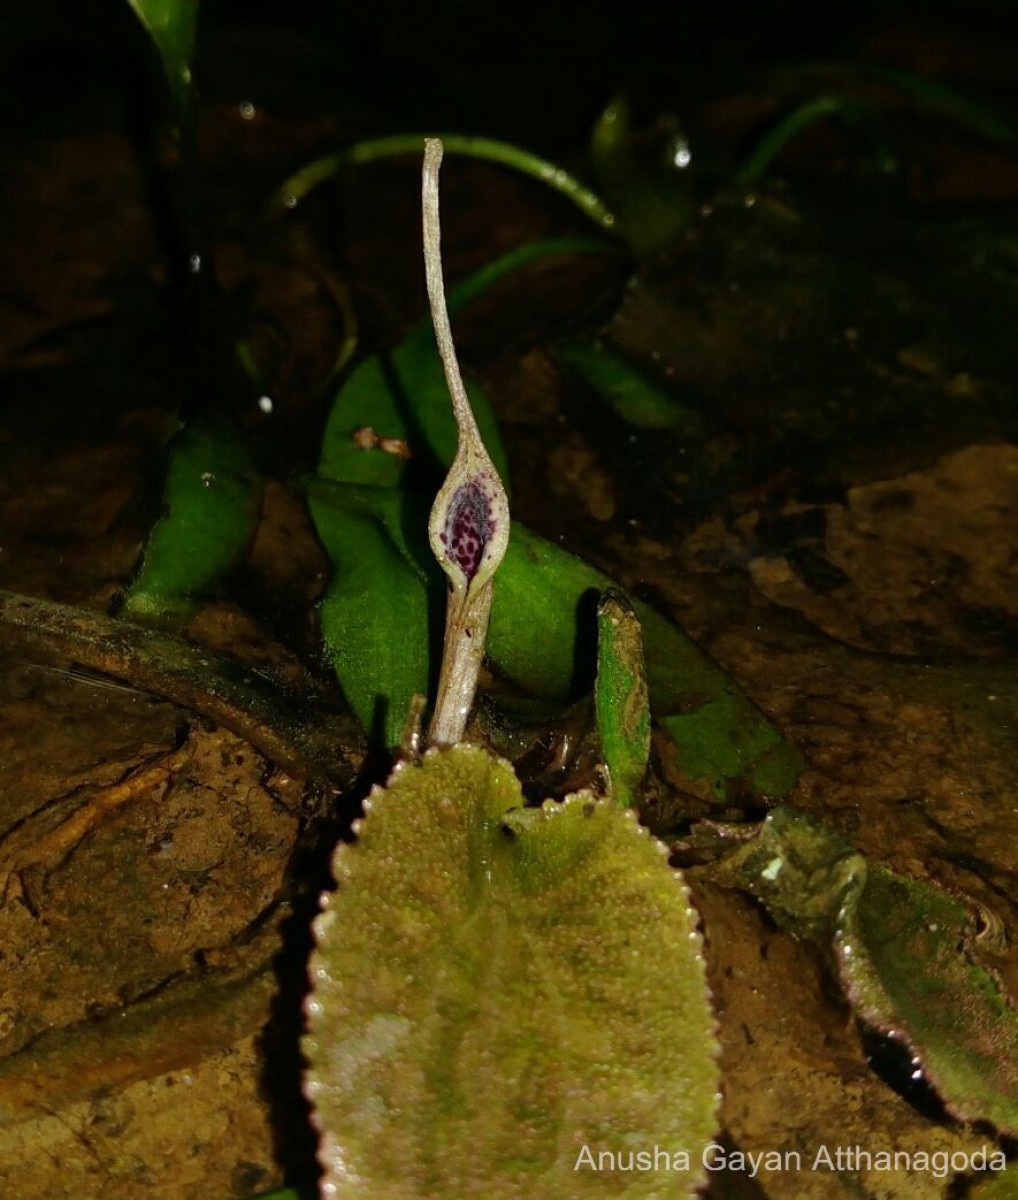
{"x":681,"y":154}
{"x":248,"y":110}
{"x":289,"y":200}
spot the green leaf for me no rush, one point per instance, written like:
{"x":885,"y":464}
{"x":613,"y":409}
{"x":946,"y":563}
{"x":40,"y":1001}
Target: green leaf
{"x":535,"y":638}
{"x":172,"y":25}
{"x":374,"y":614}
{"x":858,"y":113}
{"x":403,"y":394}
{"x":211,"y":503}
{"x":487,"y":149}
{"x":542,"y":630}
{"x":904,"y":955}
{"x":620,"y":697}
{"x":541,"y":636}
{"x":628,"y":391}
{"x":653,"y":205}
{"x":1001,"y":1186}
{"x":496,"y":988}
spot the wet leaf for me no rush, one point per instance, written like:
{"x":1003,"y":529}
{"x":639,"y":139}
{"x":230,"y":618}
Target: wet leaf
{"x":374,"y":614}
{"x":1003,"y":1185}
{"x":541,"y":624}
{"x":487,"y":149}
{"x":541,"y":634}
{"x":172,"y":25}
{"x":653,"y":205}
{"x":902,"y":954}
{"x":620,"y":697}
{"x":496,"y":988}
{"x":632,"y":395}
{"x":720,"y":734}
{"x":211,"y":502}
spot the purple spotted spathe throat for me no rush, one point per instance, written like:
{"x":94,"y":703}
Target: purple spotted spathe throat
{"x":469,"y":527}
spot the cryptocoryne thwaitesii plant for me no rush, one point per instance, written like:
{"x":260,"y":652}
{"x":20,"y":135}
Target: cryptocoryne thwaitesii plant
{"x":503,"y":995}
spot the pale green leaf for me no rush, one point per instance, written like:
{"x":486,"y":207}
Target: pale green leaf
{"x":905,"y":954}
{"x":496,"y":988}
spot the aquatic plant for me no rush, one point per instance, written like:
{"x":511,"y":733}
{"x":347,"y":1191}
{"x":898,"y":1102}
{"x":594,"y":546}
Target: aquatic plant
{"x":497,"y":989}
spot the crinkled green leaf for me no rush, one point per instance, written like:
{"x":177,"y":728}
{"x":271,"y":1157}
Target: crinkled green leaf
{"x":496,"y":988}
{"x":211,"y":503}
{"x":902,"y":951}
{"x":1003,"y":1185}
{"x":903,"y":954}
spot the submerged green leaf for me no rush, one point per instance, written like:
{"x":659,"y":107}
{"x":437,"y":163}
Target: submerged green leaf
{"x":211,"y":503}
{"x":497,"y":988}
{"x":903,"y":954}
{"x":631,"y":394}
{"x":653,"y":206}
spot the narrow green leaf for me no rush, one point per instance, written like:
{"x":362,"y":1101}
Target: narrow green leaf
{"x":402,"y":396}
{"x":536,"y":638}
{"x":375,"y":611}
{"x":653,"y":205}
{"x":211,"y":503}
{"x":500,"y":992}
{"x":860,"y":113}
{"x":172,"y":25}
{"x":629,"y":392}
{"x":488,"y":149}
{"x":620,"y":697}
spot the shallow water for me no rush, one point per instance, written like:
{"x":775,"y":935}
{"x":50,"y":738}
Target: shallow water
{"x":839,"y":536}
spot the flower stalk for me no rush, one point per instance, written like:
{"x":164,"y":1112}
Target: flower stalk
{"x":469,"y":525}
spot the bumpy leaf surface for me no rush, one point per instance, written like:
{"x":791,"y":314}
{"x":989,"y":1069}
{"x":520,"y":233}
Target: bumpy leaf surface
{"x":904,"y":955}
{"x":502,"y":995}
